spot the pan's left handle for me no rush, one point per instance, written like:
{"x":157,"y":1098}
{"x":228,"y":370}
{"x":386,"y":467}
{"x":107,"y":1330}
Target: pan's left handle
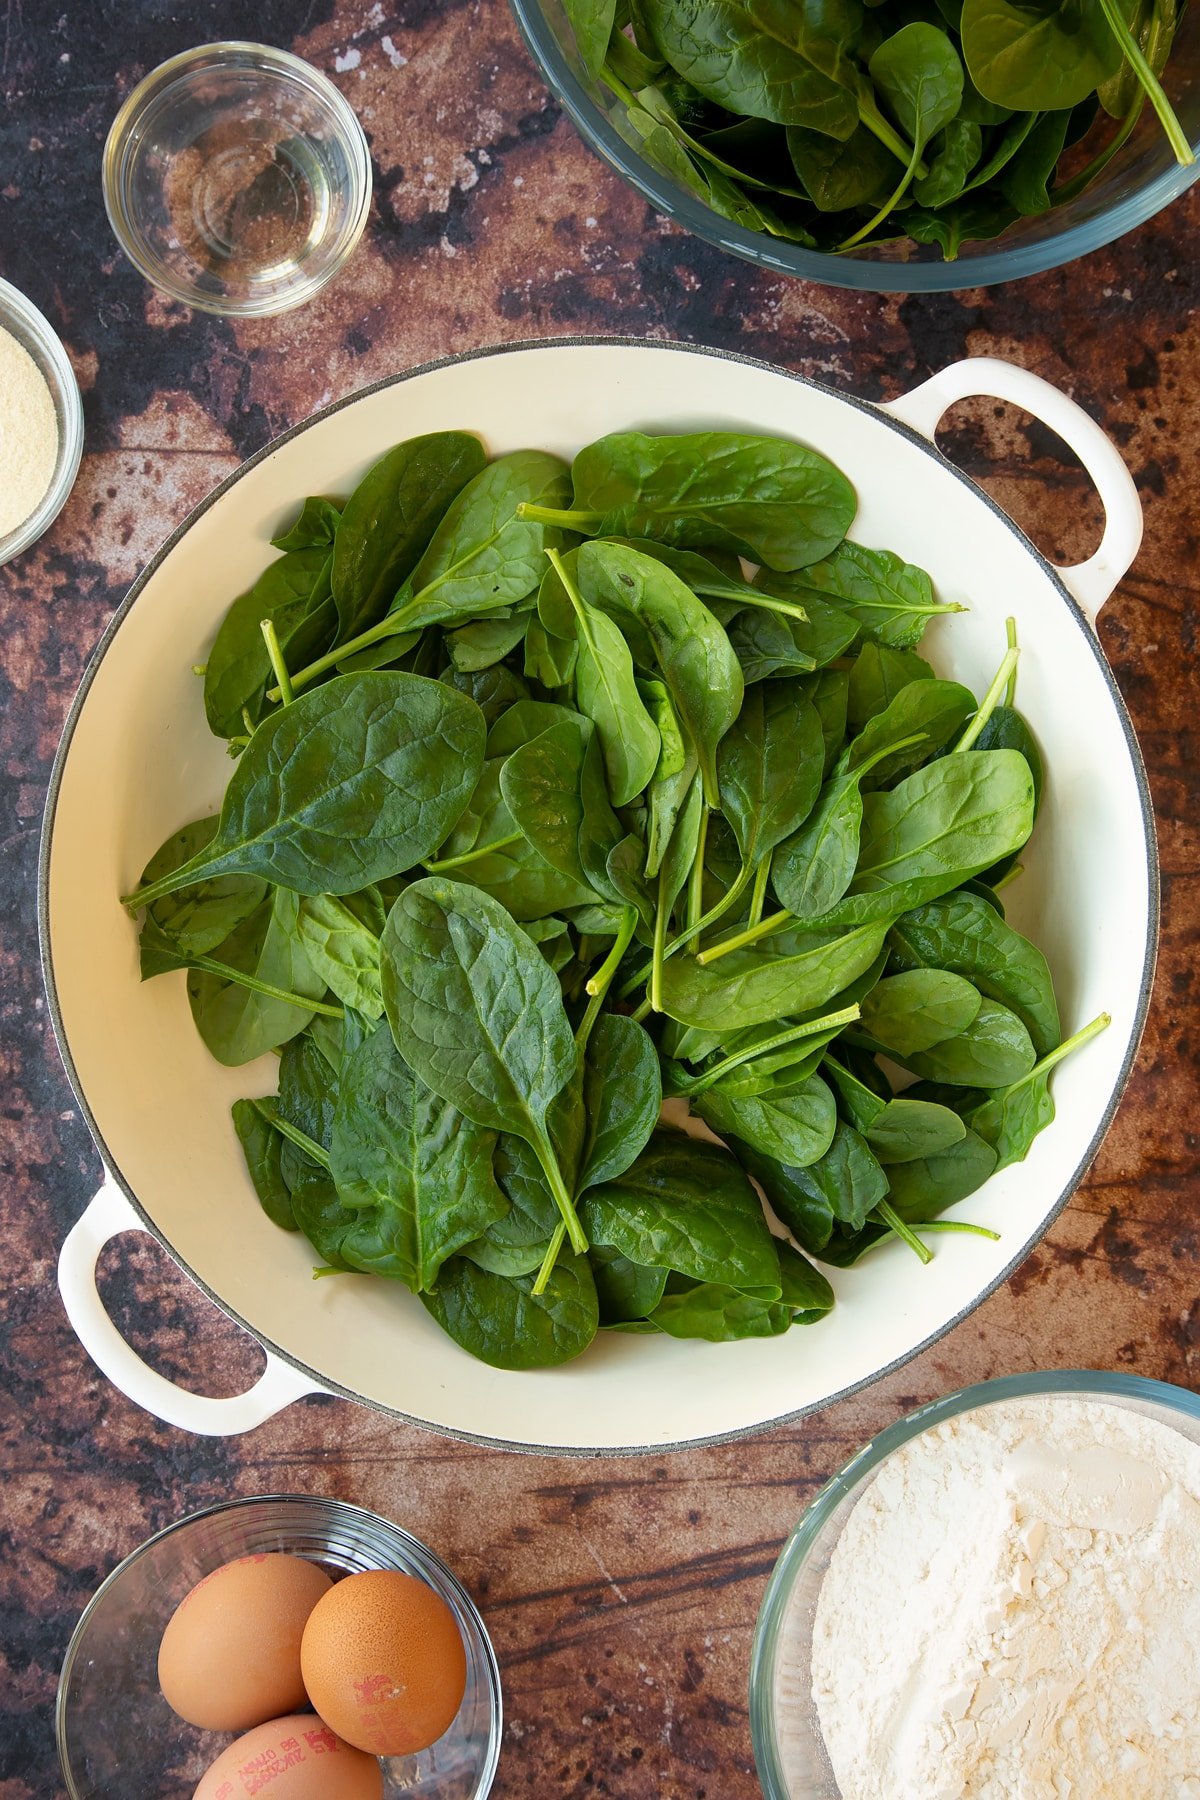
{"x":107,"y":1216}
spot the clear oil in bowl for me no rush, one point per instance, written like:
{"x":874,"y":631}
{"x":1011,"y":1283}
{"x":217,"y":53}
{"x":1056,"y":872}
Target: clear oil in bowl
{"x":237,"y":178}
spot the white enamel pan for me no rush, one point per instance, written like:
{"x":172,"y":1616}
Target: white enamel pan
{"x":136,"y":761}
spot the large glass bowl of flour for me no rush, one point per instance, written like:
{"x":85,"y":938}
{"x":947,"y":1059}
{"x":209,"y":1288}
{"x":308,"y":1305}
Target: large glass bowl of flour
{"x":895,"y":1546}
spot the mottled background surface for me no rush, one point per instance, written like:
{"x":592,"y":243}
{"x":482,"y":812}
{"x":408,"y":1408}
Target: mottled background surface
{"x":621,"y":1595}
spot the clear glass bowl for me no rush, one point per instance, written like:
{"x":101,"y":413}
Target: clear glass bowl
{"x":117,"y":1737}
{"x":788,"y":1747}
{"x":237,"y":179}
{"x":22,"y":320}
{"x":1141,"y":179}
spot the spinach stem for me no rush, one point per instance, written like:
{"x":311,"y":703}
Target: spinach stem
{"x":1010,"y":692}
{"x":990,"y":701}
{"x":642,"y":1013}
{"x":732,"y":893}
{"x":758,"y":896}
{"x":660,"y":938}
{"x":225,"y":973}
{"x":186,"y":875}
{"x":286,"y":1129}
{"x":769,"y":603}
{"x":583,"y":522}
{"x":751,"y":935}
{"x":278,"y":665}
{"x":887,"y":1215}
{"x":695,"y":900}
{"x":200,"y":669}
{"x":875,"y":122}
{"x":598,"y":984}
{"x":866,"y":230}
{"x":392,"y":626}
{"x":959,"y":1225}
{"x":1134,"y":55}
{"x":1009,"y":876}
{"x":793,"y":1035}
{"x":1070,"y":190}
{"x":578,"y":604}
{"x":550,"y":1258}
{"x":544,"y":1151}
{"x":248,"y":722}
{"x":1083,"y":1036}
{"x":457,"y":862}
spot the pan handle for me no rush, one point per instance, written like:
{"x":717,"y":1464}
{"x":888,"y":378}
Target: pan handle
{"x":1093,"y":581}
{"x":109,"y":1214}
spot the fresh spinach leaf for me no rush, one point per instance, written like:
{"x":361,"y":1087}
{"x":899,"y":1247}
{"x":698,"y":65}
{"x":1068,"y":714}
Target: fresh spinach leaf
{"x":314,"y":528}
{"x":503,"y":1322}
{"x":415,"y":1174}
{"x":916,"y":1010}
{"x":622,"y":1095}
{"x":477,"y":1014}
{"x":390,"y":518}
{"x":237,"y":673}
{"x":1037,"y":59}
{"x":891,"y":599}
{"x":962,"y":933}
{"x":992,"y":1051}
{"x":748,"y":987}
{"x":485,"y":642}
{"x":196,"y":919}
{"x":360,"y":779}
{"x":239,"y":1023}
{"x":261,"y":1145}
{"x":686,"y":1205}
{"x":787,"y":63}
{"x":768,"y":499}
{"x":626,"y":1291}
{"x":795,"y":1126}
{"x":343,"y":951}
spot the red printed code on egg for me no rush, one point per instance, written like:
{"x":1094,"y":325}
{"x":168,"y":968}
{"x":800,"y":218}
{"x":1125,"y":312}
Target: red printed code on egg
{"x":257,"y":1775}
{"x":322,"y":1741}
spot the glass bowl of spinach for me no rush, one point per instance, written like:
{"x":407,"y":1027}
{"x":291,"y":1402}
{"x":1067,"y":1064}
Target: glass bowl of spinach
{"x":887,"y":148}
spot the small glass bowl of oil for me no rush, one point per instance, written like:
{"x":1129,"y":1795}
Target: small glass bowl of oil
{"x":237,"y":179}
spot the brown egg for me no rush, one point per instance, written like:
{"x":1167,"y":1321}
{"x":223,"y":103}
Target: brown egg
{"x":384,"y":1663}
{"x":230,"y":1656}
{"x":297,"y":1758}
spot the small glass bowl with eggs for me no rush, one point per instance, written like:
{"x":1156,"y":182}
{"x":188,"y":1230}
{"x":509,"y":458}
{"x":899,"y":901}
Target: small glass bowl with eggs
{"x":205,"y":1622}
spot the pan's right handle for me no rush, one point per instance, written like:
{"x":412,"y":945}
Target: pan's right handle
{"x":1093,"y":581}
{"x":107,"y":1216}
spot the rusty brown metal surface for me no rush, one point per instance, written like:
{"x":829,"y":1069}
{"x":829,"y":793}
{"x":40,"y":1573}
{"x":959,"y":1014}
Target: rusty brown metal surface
{"x":621,"y":1594}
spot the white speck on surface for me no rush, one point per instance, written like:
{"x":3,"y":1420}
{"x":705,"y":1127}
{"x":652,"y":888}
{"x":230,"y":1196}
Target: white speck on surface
{"x":376,"y":15}
{"x":346,"y":60}
{"x":396,"y":57}
{"x":518,"y":181}
{"x":448,"y":249}
{"x":65,"y":57}
{"x":590,"y":222}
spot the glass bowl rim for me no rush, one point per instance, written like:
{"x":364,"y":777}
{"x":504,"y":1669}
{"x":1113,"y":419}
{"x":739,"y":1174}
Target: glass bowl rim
{"x":17,"y":309}
{"x":345,"y":1509}
{"x":863,"y":274}
{"x":1090,"y":1384}
{"x":233,"y":53}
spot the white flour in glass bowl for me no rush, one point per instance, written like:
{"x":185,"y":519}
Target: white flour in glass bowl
{"x":1012,"y":1612}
